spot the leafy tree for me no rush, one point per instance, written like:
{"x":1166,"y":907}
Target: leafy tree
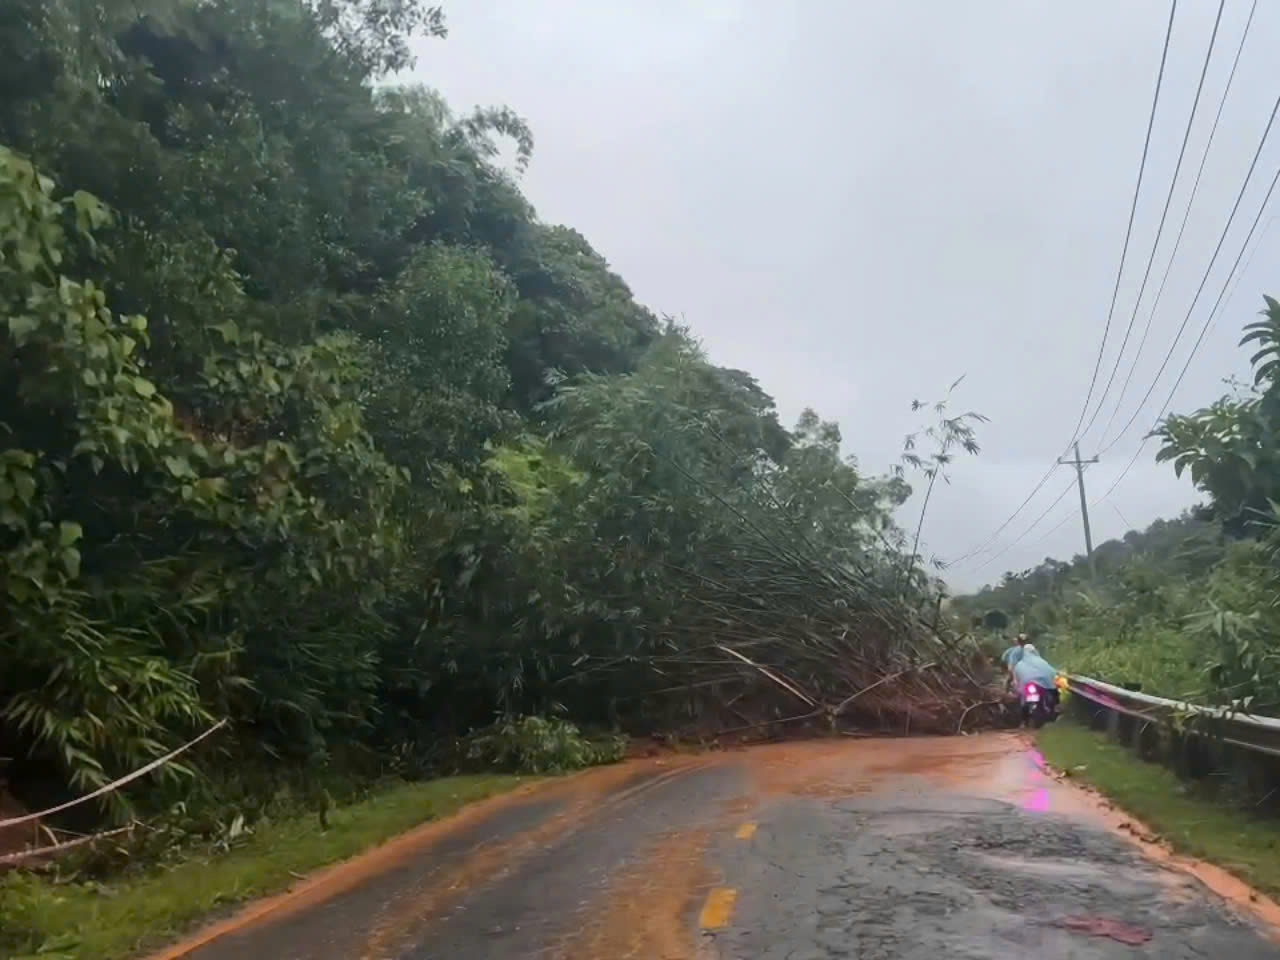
{"x":946,"y":433}
{"x":1232,"y":447}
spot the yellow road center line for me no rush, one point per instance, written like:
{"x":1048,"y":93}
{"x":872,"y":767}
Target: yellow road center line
{"x":746,"y":831}
{"x":718,"y":908}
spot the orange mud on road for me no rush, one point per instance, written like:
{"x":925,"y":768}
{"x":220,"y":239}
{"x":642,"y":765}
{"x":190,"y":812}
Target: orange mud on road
{"x":847,"y":847}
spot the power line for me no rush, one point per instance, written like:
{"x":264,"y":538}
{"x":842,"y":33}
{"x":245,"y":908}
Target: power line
{"x":1123,"y":518}
{"x":1056,"y":527}
{"x":1070,"y":515}
{"x":1203,"y":330}
{"x":1124,"y":251}
{"x":1244,"y":271}
{"x":1208,"y":270}
{"x":1035,"y":523}
{"x":1128,"y":233}
{"x":1168,"y":400}
{"x":1186,"y":215}
{"x":1127,"y":467}
{"x":1253,"y":227}
{"x":1013,"y":516}
{"x":1168,"y":200}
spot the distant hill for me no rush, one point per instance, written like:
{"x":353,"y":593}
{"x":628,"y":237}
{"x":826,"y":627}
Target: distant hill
{"x":1180,"y":549}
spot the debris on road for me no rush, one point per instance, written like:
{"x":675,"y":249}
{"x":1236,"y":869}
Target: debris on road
{"x":1127,"y":933}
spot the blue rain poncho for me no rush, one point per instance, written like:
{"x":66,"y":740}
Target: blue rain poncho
{"x":1011,"y":656}
{"x":1031,"y":667}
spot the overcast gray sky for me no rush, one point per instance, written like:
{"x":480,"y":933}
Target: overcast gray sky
{"x":860,"y":201}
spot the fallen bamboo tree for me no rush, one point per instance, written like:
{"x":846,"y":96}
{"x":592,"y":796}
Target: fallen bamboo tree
{"x":767,"y":619}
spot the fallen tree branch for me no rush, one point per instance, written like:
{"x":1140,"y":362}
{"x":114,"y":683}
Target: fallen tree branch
{"x":984,"y":703}
{"x":764,"y":723}
{"x":59,"y":847}
{"x":767,"y":672}
{"x":885,"y":679}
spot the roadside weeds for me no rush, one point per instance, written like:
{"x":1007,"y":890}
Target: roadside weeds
{"x":120,"y":918}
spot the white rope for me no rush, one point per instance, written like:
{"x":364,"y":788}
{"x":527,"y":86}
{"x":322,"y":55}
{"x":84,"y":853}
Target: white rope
{"x":113,"y":785}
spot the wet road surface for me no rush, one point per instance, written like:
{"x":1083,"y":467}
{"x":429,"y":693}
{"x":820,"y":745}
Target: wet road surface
{"x":869,"y":849}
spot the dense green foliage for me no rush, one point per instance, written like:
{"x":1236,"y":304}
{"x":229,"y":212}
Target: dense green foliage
{"x":307,"y":421}
{"x":538,"y":745}
{"x":1126,"y":626}
{"x":1187,"y":608}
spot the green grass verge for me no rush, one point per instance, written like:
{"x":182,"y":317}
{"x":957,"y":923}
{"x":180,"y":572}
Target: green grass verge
{"x":106,"y":921}
{"x":1199,"y":826}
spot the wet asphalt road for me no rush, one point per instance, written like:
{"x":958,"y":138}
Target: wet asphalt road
{"x":957,"y":848}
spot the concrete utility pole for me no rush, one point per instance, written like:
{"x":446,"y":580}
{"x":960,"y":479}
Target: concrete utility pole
{"x":1084,"y":505}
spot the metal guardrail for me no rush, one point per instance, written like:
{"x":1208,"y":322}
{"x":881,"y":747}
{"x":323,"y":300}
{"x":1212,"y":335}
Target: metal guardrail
{"x":1261,"y":734}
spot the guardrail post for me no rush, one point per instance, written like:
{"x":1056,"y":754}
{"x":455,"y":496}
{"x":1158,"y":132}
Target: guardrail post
{"x":1179,"y":754}
{"x":1195,"y":756}
{"x":1085,"y":711}
{"x":1147,"y":741}
{"x":1252,"y":774}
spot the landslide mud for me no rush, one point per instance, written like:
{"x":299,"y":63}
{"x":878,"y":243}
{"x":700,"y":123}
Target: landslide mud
{"x":491,"y":836}
{"x":649,"y":905}
{"x":588,"y":799}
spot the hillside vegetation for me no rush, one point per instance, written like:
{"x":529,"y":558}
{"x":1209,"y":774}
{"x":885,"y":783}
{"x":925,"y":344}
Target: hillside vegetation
{"x":310,"y":424}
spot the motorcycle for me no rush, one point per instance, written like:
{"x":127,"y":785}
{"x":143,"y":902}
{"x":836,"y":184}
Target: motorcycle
{"x":1039,"y":704}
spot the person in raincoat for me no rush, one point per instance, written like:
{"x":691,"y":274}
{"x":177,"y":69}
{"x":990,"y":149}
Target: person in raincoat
{"x":1011,"y":657}
{"x":1033,"y":668}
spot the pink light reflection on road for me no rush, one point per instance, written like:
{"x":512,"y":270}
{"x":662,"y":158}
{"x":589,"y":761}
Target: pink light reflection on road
{"x":1037,"y":798}
{"x":1038,"y":801}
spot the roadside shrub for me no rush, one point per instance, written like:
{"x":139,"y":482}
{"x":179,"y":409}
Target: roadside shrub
{"x":21,"y":895}
{"x":537,"y":745}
